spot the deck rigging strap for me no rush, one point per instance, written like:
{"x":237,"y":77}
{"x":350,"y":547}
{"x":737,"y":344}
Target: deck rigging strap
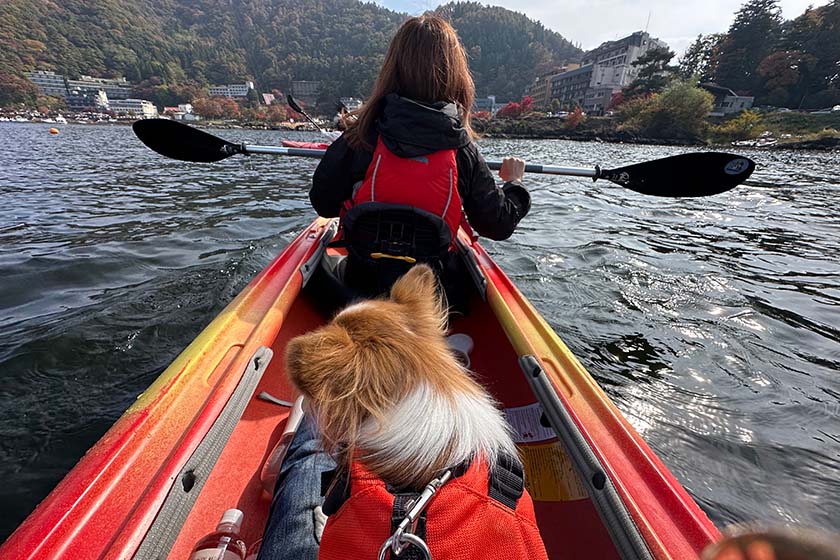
{"x":187,"y":486}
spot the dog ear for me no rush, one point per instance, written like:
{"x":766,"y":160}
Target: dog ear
{"x":418,"y":287}
{"x":327,"y":366}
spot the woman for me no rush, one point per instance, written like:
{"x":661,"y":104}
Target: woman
{"x":409,"y":148}
{"x":411,"y":145}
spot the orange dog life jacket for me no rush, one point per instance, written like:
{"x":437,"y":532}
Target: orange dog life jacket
{"x":474,"y":515}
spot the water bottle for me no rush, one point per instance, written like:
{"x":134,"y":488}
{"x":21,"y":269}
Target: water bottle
{"x":224,"y":543}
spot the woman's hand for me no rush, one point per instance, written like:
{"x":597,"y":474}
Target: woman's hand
{"x":513,"y":169}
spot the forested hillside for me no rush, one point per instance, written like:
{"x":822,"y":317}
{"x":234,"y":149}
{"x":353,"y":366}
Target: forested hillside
{"x":176,"y":46}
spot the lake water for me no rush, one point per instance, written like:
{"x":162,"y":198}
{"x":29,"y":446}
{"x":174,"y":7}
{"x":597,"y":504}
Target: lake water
{"x":714,"y":324}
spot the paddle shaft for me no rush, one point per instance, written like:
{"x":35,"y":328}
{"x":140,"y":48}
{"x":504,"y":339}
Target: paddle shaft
{"x":495,"y":165}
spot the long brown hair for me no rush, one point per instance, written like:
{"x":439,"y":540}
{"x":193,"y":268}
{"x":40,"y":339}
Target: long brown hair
{"x":425,"y":62}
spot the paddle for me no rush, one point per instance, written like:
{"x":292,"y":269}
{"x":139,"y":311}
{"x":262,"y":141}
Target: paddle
{"x":293,"y":104}
{"x":695,"y":174}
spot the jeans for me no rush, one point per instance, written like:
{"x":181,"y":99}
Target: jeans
{"x":290,"y":531}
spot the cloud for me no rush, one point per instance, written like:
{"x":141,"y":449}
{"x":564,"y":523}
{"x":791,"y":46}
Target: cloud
{"x":591,"y":22}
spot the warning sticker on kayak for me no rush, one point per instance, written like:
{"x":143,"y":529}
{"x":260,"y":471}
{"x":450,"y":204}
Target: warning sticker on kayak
{"x":550,"y":475}
{"x":526,"y":424}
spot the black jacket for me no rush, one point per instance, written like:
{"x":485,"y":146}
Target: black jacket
{"x":411,"y":129}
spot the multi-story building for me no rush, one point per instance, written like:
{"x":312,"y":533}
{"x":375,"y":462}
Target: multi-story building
{"x":232,"y":90}
{"x":49,"y":83}
{"x":139,"y":108}
{"x":570,"y":87}
{"x":605,"y":70}
{"x":306,"y":91}
{"x":540,"y":90}
{"x":86,"y":99}
{"x":118,"y":88}
{"x":57,"y":85}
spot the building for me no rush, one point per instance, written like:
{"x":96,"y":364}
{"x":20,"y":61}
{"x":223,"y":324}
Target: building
{"x":49,"y":83}
{"x":118,"y":88}
{"x":540,"y":90}
{"x":267,"y":98}
{"x":181,"y":112}
{"x":232,"y":90}
{"x":57,"y":85}
{"x":85,"y":99}
{"x":306,"y":91}
{"x":351,"y":103}
{"x":570,"y":87}
{"x":139,"y":108}
{"x":605,"y":70}
{"x":486,"y":104}
{"x":727,"y":101}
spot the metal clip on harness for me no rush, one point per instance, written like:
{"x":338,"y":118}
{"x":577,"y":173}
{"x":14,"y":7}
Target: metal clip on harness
{"x":404,"y":535}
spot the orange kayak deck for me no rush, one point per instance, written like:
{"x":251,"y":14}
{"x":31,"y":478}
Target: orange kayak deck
{"x":598,"y":489}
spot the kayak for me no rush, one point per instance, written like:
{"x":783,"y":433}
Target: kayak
{"x":309,"y":145}
{"x":194,"y":443}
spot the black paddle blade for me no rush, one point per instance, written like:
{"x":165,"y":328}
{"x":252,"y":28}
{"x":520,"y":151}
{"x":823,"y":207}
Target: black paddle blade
{"x":293,"y":104}
{"x":696,"y":174}
{"x":179,"y":141}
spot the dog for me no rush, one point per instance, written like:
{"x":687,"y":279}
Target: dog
{"x":393,"y":404}
{"x":383,"y":384}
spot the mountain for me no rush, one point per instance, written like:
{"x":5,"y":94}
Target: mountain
{"x":165,"y":43}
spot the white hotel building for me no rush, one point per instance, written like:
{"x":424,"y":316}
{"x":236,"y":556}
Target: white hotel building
{"x":139,"y":108}
{"x":232,"y":90}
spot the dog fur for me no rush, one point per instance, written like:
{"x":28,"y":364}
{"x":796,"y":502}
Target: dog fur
{"x":386,"y":389}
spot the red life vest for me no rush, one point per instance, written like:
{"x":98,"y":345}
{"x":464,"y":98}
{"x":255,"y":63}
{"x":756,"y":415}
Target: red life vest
{"x":428,"y":182}
{"x":462,"y":521}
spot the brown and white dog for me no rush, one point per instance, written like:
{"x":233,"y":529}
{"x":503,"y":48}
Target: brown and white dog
{"x":395,"y":408}
{"x":385,"y":388}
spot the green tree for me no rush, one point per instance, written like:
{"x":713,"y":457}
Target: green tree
{"x":252,"y":99}
{"x":700,"y":59}
{"x":754,"y":34}
{"x":654,"y":73}
{"x":678,"y":112}
{"x":816,"y":36}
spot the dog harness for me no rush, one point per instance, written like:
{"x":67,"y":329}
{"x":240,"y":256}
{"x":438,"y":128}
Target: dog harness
{"x":469,"y":512}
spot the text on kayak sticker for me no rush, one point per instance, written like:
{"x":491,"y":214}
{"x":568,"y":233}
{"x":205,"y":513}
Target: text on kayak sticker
{"x":526,"y":425}
{"x":550,"y":475}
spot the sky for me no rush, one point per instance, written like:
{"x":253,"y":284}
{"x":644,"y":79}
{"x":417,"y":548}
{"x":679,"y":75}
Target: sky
{"x":591,"y":22}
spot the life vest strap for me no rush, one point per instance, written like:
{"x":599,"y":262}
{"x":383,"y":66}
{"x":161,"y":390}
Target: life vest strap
{"x":507,"y":481}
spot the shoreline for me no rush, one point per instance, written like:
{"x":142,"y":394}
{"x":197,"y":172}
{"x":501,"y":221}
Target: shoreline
{"x":518,"y":130}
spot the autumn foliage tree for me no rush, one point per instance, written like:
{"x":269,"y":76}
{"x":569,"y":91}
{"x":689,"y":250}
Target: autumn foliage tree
{"x":515,"y":109}
{"x":216,"y":108}
{"x":14,"y":90}
{"x":574,"y":118}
